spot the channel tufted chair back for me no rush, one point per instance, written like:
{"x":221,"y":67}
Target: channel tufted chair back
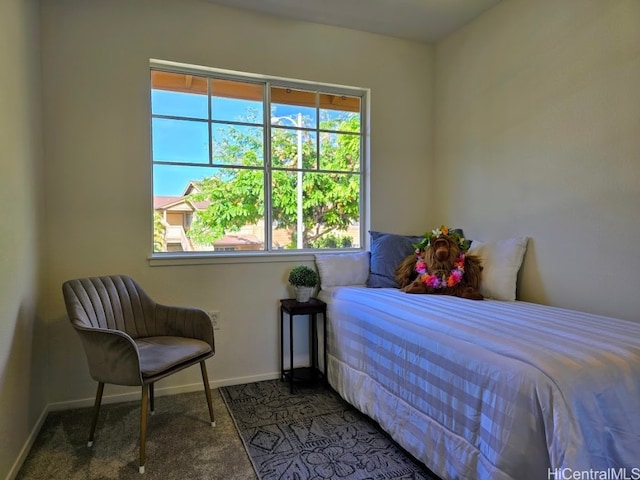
{"x":129,"y":339}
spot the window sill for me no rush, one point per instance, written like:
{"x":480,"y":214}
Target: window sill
{"x":176,"y":259}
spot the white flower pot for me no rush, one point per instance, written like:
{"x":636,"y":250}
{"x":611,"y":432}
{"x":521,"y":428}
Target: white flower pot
{"x":303,"y":294}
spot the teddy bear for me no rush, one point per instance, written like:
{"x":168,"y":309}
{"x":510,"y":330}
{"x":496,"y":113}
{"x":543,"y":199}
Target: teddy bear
{"x":441,"y":265}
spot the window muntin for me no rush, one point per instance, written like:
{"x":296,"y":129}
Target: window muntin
{"x":218,"y":187}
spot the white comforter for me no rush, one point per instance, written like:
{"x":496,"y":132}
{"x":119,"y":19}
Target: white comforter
{"x":489,"y":389}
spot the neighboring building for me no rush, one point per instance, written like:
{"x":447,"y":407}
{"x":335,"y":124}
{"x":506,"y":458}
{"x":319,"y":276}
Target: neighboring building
{"x":177,"y":212}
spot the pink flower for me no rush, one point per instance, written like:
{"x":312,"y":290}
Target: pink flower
{"x":431,"y":281}
{"x":454,"y":278}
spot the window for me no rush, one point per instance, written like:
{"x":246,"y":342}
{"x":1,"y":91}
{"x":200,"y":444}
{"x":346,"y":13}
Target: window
{"x":248,"y":163}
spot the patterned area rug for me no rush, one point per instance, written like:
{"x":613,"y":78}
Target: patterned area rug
{"x":313,"y":435}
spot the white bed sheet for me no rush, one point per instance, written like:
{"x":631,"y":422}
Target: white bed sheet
{"x":489,"y":389}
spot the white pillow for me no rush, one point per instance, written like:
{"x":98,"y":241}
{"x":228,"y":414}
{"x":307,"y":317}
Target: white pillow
{"x":343,"y":269}
{"x":501,"y":260}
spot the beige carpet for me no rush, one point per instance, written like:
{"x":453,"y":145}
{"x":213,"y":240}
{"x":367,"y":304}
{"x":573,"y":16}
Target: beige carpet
{"x":181,"y":444}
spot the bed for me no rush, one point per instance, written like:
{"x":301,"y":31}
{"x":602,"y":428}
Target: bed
{"x":487,"y":390}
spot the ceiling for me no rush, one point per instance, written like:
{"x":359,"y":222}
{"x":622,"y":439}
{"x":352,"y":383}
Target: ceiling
{"x":420,"y":20}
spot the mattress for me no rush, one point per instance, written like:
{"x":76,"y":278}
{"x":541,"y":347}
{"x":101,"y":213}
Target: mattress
{"x":489,"y":389}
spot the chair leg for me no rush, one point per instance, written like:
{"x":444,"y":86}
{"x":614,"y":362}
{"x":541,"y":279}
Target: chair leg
{"x":143,"y":425}
{"x":151,"y":399}
{"x":96,"y":411}
{"x":207,"y":391}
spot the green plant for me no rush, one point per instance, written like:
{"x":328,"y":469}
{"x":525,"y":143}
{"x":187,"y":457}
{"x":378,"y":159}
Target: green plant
{"x":303,"y":276}
{"x":332,"y":241}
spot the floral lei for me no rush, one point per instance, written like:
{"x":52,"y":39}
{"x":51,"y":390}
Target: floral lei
{"x":455,"y":276}
{"x":433,"y":281}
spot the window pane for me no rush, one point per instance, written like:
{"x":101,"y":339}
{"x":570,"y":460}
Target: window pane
{"x":178,"y":104}
{"x":339,"y":121}
{"x":176,"y":180}
{"x":180,"y":141}
{"x":234,"y":215}
{"x":217,"y":209}
{"x":178,"y":95}
{"x":293,"y":108}
{"x":286,"y":145}
{"x":339,"y":112}
{"x":339,"y":151}
{"x":238,"y":145}
{"x":173,"y":211}
{"x":237,"y":101}
{"x":315,"y":210}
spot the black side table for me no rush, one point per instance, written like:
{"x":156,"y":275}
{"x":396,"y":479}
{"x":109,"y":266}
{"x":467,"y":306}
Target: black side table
{"x":304,"y":374}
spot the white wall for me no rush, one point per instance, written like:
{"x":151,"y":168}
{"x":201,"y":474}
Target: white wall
{"x":538,"y":133}
{"x":22,"y":352}
{"x":98,"y":183}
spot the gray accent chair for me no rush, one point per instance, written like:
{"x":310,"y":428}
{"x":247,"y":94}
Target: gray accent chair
{"x":129,"y":339}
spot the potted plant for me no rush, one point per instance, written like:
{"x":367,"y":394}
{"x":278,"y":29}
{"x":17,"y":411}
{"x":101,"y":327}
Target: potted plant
{"x":304,"y":280}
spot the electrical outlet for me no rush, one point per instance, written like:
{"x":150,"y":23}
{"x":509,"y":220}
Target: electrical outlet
{"x":214,"y":315}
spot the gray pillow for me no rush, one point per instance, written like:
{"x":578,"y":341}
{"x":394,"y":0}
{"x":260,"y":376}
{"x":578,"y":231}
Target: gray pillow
{"x":387,"y":251}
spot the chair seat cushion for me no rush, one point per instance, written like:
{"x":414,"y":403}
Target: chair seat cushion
{"x":160,"y":354}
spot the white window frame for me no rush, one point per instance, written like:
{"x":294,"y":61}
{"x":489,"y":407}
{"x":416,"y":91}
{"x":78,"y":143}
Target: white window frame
{"x":269,"y":254}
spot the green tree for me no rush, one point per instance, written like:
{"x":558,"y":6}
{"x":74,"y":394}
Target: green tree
{"x":235,"y":195}
{"x":333,"y":241}
{"x":159,"y":230}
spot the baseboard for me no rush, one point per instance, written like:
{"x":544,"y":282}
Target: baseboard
{"x":134,"y":395}
{"x":122,"y":397}
{"x":26,"y":448}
